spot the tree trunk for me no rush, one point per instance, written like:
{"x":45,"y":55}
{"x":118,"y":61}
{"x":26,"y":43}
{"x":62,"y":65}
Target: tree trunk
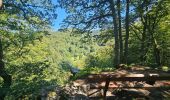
{"x":143,"y":50}
{"x":127,"y":32}
{"x":156,"y":50}
{"x":116,"y":49}
{"x":6,"y":77}
{"x":120,"y":31}
{"x":145,"y":40}
{"x":157,"y":53}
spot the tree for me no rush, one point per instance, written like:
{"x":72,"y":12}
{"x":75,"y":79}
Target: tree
{"x":150,"y":14}
{"x":88,"y":15}
{"x":127,"y":31}
{"x":144,"y":31}
{"x":26,"y":17}
{"x":141,"y":18}
{"x":155,"y":15}
{"x":116,"y":35}
{"x":120,"y":30}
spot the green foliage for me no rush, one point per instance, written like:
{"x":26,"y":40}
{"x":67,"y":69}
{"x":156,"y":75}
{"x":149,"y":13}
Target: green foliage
{"x":103,"y":57}
{"x":38,"y":63}
{"x":158,"y":17}
{"x":27,"y":66}
{"x":22,"y":25}
{"x":165,"y":68}
{"x":37,"y":59}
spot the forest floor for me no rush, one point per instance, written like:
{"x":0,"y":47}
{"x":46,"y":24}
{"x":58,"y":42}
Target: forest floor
{"x":121,"y":90}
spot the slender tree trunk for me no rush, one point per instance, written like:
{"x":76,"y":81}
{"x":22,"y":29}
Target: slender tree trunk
{"x":145,"y":41}
{"x":6,"y":77}
{"x":116,"y":35}
{"x":143,"y":50}
{"x":156,"y":50}
{"x":127,"y":32}
{"x":120,"y":31}
{"x":157,"y":53}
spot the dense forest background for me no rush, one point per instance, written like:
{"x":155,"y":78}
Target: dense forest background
{"x":97,"y":35}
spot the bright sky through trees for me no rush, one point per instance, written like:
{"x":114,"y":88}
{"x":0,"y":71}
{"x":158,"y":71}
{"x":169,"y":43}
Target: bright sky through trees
{"x":61,"y":15}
